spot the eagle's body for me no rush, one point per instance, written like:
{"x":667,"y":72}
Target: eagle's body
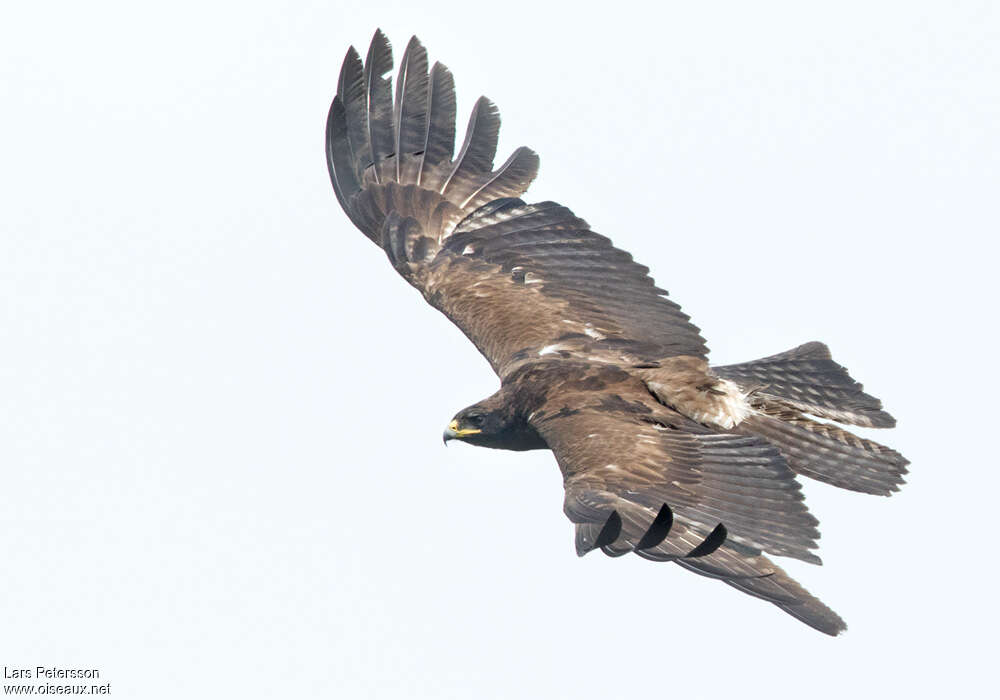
{"x":661,"y":454}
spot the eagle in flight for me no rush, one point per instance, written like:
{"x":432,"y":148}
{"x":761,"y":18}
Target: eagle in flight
{"x":662,"y":454}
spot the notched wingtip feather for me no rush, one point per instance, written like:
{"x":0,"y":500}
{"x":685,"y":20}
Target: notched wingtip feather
{"x":414,"y":44}
{"x":350,"y":64}
{"x":380,"y":40}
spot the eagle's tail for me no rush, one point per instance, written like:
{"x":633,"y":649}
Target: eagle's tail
{"x":784,"y":388}
{"x":395,"y":154}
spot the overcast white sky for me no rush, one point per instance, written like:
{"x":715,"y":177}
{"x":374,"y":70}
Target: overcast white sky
{"x":220,"y":410}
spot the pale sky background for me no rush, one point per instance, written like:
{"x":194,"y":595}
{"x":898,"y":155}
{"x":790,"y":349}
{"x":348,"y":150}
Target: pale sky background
{"x":221,"y":468}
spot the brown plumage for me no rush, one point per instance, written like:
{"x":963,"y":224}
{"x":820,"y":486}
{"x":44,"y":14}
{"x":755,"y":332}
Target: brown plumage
{"x":661,"y":454}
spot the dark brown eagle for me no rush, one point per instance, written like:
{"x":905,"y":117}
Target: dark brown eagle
{"x":661,"y":454}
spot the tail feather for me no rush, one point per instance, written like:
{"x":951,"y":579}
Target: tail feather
{"x":827,"y":452}
{"x":783,"y":388}
{"x":806,"y":378}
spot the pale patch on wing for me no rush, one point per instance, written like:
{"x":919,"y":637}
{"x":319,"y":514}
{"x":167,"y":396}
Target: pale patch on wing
{"x":550,"y":349}
{"x":734,"y":405}
{"x":725,"y":406}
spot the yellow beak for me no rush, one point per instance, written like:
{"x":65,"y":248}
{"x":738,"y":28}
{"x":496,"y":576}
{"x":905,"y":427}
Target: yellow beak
{"x":453,"y":431}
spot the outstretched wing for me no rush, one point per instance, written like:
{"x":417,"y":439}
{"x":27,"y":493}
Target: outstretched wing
{"x":641,"y":478}
{"x":521,"y":280}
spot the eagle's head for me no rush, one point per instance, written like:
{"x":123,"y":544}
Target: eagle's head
{"x":493,"y":422}
{"x":479,"y":424}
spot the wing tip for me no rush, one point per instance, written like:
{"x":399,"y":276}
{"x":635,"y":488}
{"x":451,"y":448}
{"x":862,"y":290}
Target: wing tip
{"x":379,"y":42}
{"x":386,"y":143}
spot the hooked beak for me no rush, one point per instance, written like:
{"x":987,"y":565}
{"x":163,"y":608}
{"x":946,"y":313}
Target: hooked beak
{"x":453,"y":432}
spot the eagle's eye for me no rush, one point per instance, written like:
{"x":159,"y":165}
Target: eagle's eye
{"x":475,"y":419}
